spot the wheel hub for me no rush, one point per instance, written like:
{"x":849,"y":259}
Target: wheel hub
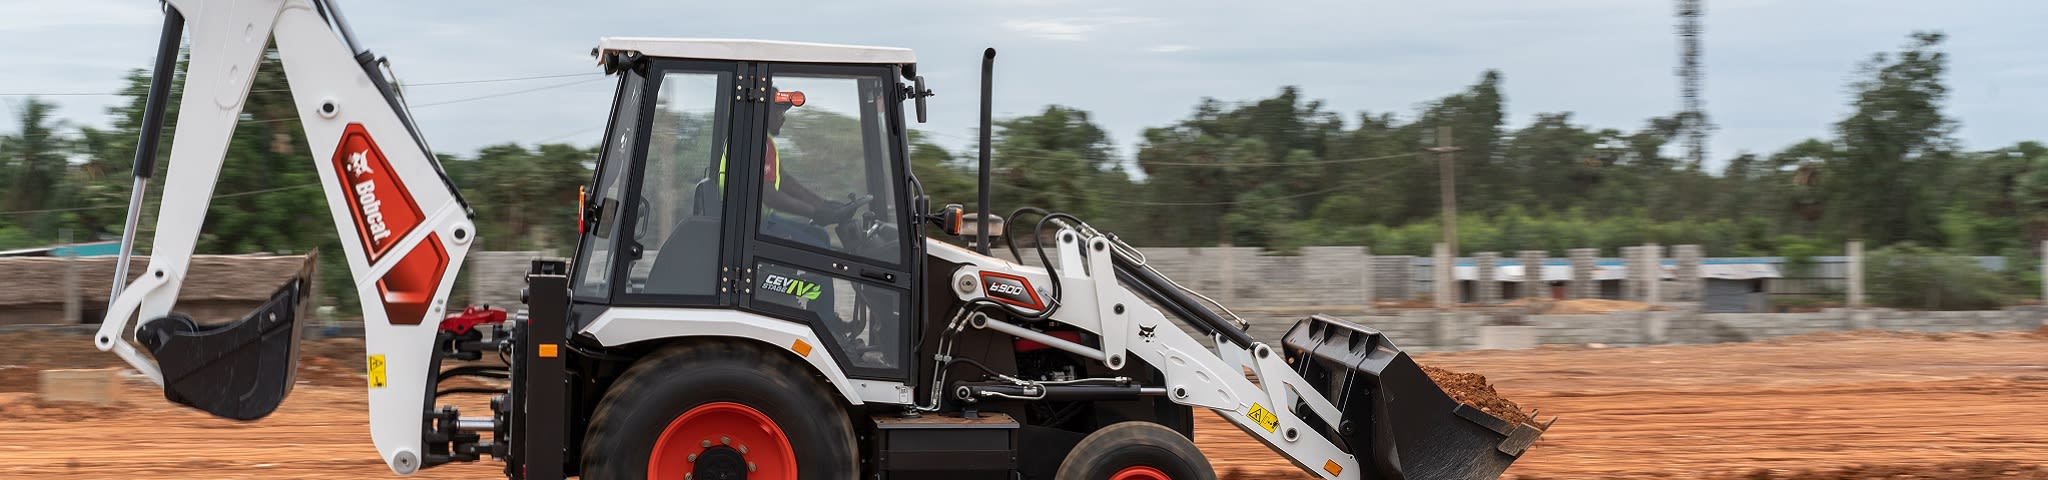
{"x":722,"y":441}
{"x":720,"y":463}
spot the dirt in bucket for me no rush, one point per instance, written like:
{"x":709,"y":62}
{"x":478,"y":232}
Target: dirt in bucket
{"x":1472,"y":389}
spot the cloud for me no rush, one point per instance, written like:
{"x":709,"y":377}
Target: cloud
{"x":1170,"y":48}
{"x":1072,"y":29}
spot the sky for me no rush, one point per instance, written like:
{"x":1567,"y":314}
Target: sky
{"x":1776,"y":70}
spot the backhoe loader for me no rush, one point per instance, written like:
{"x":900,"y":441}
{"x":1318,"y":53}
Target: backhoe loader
{"x":760,"y":290}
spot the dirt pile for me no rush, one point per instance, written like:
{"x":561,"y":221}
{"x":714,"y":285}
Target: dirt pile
{"x":1472,"y":389}
{"x":1945,"y":471}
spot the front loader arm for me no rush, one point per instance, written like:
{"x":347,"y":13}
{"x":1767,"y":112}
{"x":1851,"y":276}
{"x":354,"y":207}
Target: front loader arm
{"x":404,"y":230}
{"x":1342,"y":402}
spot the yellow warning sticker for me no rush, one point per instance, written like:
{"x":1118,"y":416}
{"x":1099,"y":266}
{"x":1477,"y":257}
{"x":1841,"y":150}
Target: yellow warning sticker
{"x":1264,"y":418}
{"x":377,"y":371}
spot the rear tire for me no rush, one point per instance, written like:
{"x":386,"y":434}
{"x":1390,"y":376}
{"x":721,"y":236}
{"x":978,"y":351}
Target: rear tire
{"x":756,"y":408}
{"x":1136,"y":450}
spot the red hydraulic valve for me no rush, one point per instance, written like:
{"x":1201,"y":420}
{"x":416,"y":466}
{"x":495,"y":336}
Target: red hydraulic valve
{"x":471,"y":316}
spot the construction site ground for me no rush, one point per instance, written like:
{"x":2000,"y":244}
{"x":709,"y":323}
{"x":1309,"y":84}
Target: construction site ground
{"x":1827,"y":406}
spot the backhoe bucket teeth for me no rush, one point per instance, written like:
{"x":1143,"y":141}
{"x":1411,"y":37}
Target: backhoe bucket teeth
{"x":240,"y":370}
{"x":1396,"y":420}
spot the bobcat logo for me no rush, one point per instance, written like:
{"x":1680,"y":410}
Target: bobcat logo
{"x":790,"y":286}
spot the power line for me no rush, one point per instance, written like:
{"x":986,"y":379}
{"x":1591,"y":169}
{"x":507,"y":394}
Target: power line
{"x":496,"y":95}
{"x":1278,"y":164}
{"x":423,"y":105}
{"x":1219,"y":165}
{"x":497,"y":80}
{"x":1346,"y":185}
{"x":276,"y":90}
{"x":215,"y":197}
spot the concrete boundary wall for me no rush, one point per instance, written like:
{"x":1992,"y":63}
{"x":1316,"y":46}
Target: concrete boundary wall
{"x":1421,"y":330}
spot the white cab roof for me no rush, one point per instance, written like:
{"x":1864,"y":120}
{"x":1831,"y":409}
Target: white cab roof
{"x":756,"y":50}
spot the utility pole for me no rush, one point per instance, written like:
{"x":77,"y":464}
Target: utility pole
{"x":1447,"y":161}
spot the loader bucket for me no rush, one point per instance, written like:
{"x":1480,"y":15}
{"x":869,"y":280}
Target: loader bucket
{"x":1396,"y":420}
{"x":240,"y":370}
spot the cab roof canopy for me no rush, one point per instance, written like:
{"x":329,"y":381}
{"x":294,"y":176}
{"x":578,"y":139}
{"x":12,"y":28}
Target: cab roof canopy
{"x":756,"y":50}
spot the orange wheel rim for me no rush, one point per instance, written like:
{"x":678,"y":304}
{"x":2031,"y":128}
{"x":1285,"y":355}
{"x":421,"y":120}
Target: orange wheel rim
{"x":723,"y":436}
{"x":1139,"y":473}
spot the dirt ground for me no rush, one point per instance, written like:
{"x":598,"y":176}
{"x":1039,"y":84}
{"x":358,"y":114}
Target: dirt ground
{"x":1832,"y":406}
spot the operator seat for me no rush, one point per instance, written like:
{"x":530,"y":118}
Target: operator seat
{"x":688,"y":259}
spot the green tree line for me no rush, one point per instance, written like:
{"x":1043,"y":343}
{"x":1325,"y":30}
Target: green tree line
{"x":1285,"y":171}
{"x":1277,"y":172}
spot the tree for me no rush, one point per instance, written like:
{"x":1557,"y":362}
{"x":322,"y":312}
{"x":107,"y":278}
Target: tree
{"x":32,"y":162}
{"x":1894,"y":142}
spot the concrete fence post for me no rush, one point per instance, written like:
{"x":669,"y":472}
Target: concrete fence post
{"x":1855,"y":274}
{"x":1653,"y":274}
{"x":1533,"y":285}
{"x":1224,"y":269}
{"x":1445,"y":286}
{"x":1692,"y":285}
{"x":1582,"y":284}
{"x":1365,"y":279}
{"x":1486,"y":281}
{"x":1633,"y":269}
{"x":72,"y":310}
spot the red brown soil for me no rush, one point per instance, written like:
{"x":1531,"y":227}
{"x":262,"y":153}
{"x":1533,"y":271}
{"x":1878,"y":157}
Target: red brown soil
{"x":1861,"y":405}
{"x":1945,"y":471}
{"x":1472,"y":389}
{"x":1854,"y":405}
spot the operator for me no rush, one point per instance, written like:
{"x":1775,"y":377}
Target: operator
{"x":783,"y":193}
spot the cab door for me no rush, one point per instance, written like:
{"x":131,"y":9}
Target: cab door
{"x":825,"y":238}
{"x":665,"y":215}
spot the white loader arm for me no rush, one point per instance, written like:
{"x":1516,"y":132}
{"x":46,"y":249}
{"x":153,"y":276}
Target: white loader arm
{"x":404,"y":230}
{"x":1403,"y":426}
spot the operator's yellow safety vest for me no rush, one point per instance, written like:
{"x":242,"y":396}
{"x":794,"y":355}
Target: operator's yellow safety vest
{"x":772,"y":168}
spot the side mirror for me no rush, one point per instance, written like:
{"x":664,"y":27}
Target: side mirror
{"x":920,"y":93}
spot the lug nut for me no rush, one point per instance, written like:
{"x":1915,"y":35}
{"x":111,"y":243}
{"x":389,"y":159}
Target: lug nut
{"x":725,"y":440}
{"x":743,"y":449}
{"x":750,"y":467}
{"x":706,"y":444}
{"x":693,"y":457}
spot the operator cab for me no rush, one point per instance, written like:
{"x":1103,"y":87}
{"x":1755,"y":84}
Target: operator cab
{"x":765,"y":177}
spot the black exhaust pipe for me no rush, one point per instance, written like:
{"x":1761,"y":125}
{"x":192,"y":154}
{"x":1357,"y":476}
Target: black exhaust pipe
{"x":988,"y":68}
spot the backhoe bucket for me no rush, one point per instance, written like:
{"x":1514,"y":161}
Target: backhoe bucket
{"x":1396,"y":420}
{"x":240,"y":370}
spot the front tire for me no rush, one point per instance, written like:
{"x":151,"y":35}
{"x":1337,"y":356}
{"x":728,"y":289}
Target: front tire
{"x":721,"y":407}
{"x":1136,"y":450}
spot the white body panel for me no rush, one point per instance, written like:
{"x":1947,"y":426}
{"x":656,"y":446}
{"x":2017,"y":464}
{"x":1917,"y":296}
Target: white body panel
{"x":626,"y":325}
{"x":227,"y":42}
{"x":756,"y":50}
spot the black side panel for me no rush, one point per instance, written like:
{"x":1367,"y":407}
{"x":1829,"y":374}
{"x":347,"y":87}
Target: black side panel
{"x":540,"y":419}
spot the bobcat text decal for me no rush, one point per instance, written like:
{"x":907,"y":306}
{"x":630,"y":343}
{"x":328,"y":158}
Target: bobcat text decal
{"x":384,"y":212}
